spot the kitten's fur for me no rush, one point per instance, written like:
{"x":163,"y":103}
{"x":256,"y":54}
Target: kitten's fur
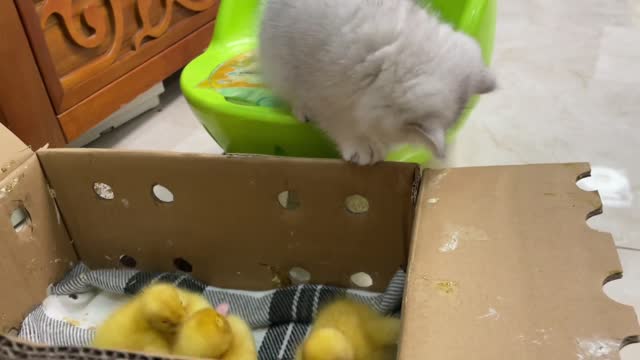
{"x":371,"y":73}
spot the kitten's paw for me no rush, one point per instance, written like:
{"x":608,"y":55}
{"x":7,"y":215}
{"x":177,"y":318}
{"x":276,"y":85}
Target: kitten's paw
{"x":362,"y":154}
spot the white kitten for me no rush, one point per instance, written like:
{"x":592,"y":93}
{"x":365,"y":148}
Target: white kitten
{"x":371,"y":73}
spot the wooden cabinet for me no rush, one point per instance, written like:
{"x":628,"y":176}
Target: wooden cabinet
{"x":93,"y":56}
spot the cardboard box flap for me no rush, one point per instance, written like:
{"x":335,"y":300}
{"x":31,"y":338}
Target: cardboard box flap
{"x":35,"y":248}
{"x":13,"y":152}
{"x":504,"y":266}
{"x":237,"y":222}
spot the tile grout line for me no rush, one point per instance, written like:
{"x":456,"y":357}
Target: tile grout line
{"x":627,"y":248}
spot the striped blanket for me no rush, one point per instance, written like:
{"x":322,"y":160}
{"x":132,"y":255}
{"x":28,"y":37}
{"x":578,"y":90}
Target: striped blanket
{"x":280,"y":318}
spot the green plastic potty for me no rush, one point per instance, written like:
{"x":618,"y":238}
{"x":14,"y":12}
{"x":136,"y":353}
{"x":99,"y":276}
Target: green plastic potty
{"x":224,"y":90}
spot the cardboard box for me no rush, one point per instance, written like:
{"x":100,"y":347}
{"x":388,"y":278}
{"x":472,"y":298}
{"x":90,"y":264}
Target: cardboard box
{"x":500,"y":261}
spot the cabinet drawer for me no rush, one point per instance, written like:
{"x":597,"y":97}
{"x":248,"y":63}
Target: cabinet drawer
{"x":81,"y":46}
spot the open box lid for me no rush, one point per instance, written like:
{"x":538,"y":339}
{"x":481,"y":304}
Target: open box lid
{"x":504,"y":266}
{"x":34,"y":244}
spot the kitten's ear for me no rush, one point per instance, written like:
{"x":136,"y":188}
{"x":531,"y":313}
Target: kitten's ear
{"x":486,"y":82}
{"x":437,"y":138}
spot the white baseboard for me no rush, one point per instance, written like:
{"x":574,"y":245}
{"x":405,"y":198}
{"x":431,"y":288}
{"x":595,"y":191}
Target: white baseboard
{"x":144,"y":102}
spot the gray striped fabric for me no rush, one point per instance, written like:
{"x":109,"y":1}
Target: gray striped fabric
{"x":281,"y":318}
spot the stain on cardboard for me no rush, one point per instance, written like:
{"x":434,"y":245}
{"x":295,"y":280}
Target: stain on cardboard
{"x":456,"y":235}
{"x":11,"y":185}
{"x":279,"y":278}
{"x":433,"y":201}
{"x":435,"y":181}
{"x":6,"y":167}
{"x":597,"y":348}
{"x":451,"y":244}
{"x":540,"y":337}
{"x":492,"y":314}
{"x":446,"y":287}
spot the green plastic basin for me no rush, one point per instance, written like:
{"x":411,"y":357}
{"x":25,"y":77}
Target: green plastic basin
{"x":241,"y":128}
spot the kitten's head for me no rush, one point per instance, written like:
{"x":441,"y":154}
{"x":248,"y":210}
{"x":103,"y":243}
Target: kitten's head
{"x":427,"y":98}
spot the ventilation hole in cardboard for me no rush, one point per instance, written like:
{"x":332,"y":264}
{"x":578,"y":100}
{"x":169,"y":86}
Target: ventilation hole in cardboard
{"x":104,"y":191}
{"x":299,"y":276}
{"x":585,"y":182}
{"x":362,"y":280}
{"x":614,"y":191}
{"x":630,"y":348}
{"x":289,"y":200}
{"x":598,"y":223}
{"x":128,"y":261}
{"x":182,"y":265}
{"x":594,"y":213}
{"x":20,"y":219}
{"x":612,"y":184}
{"x":357,"y":204}
{"x":162,"y":194}
{"x":614,"y":276}
{"x":614,"y":286}
{"x":579,"y":180}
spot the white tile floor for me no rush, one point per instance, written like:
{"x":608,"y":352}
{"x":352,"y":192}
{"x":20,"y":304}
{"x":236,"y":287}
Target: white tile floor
{"x":569,"y":76}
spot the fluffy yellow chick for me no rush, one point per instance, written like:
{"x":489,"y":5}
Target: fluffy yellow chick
{"x":193,"y":302}
{"x":208,"y":334}
{"x":147,"y":323}
{"x":347,"y":330}
{"x":204,"y":334}
{"x":243,"y":347}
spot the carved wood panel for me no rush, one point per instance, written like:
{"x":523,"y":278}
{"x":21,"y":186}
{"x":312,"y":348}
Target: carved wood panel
{"x":90,"y":43}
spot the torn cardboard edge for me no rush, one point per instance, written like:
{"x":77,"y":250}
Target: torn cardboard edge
{"x":498,"y":267}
